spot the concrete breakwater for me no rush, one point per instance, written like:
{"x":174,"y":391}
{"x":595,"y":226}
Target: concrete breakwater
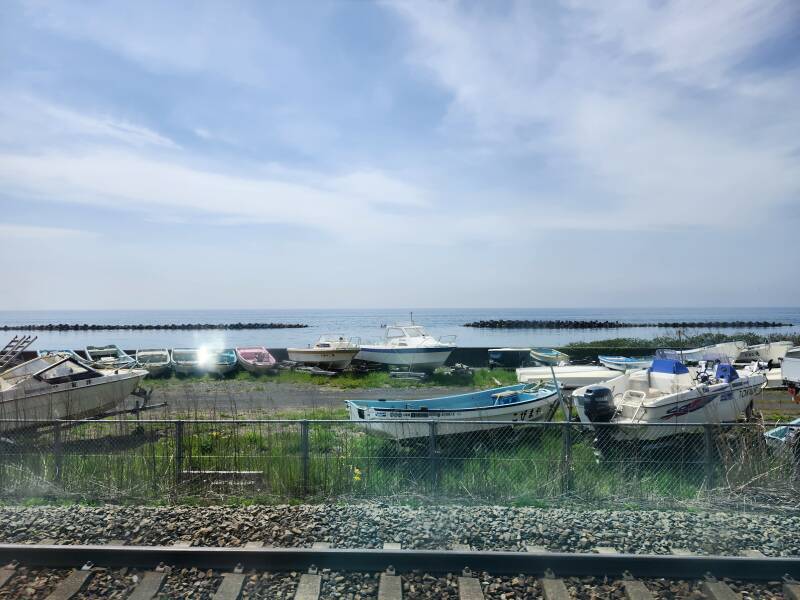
{"x":147,"y":327}
{"x":571,"y":324}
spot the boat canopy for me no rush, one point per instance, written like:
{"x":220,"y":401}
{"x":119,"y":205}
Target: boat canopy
{"x":667,"y":365}
{"x":726,"y":373}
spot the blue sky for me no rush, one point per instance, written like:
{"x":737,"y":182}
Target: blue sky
{"x":388,"y":154}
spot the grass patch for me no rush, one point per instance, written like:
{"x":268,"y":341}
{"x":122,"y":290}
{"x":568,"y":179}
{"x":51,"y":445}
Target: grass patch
{"x":692,"y":341}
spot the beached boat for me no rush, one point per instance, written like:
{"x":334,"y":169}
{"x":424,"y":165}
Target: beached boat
{"x":568,"y":376}
{"x":71,"y":353}
{"x":217,"y":360}
{"x":56,"y":386}
{"x":109,"y":357}
{"x":768,"y":352}
{"x":186,"y":361}
{"x":790,"y":370}
{"x":331,"y":351}
{"x":155,"y":361}
{"x":456,"y":414}
{"x":726,"y":352}
{"x":625,"y":363}
{"x":509,"y":358}
{"x":548,"y":356}
{"x":409,"y":346}
{"x":256,"y":360}
{"x":780,"y":438}
{"x":667,"y":398}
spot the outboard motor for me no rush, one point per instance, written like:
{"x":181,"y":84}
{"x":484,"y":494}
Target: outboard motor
{"x":598,"y":403}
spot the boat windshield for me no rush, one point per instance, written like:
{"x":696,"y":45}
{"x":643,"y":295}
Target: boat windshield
{"x":414,"y":332}
{"x":67,"y":370}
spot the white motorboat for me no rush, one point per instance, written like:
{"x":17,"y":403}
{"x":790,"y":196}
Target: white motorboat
{"x":407,"y":419}
{"x":109,"y":357}
{"x":186,"y":361}
{"x":768,"y":352}
{"x":409,"y":346}
{"x":57,"y":386}
{"x":790,"y":370}
{"x":549,"y":356}
{"x":625,"y":363}
{"x":665,"y":400}
{"x":256,"y":360}
{"x":155,"y":361}
{"x":331,"y":351}
{"x":568,"y":376}
{"x":726,"y":352}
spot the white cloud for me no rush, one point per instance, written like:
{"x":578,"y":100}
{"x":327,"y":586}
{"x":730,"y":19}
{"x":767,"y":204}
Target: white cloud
{"x":12,"y":231}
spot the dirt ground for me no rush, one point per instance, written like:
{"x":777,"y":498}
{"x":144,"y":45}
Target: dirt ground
{"x":257,"y":399}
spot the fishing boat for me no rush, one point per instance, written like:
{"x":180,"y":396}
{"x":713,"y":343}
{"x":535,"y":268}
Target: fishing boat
{"x":548,"y":356}
{"x":768,"y":352}
{"x":509,"y":358}
{"x":568,"y":376}
{"x":726,"y":352}
{"x":109,"y":357}
{"x":462,"y":413}
{"x":331,"y":351}
{"x":256,"y":360}
{"x":56,"y":386}
{"x":218,"y":361}
{"x":409,"y":346}
{"x":155,"y":361}
{"x":624,"y":363}
{"x":186,"y":361}
{"x":665,"y":400}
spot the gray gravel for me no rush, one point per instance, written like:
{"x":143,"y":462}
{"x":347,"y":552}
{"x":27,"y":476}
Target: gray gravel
{"x":370,"y":525}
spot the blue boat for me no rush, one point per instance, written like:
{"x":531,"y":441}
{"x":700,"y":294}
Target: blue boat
{"x":474,"y":411}
{"x":549,"y":356}
{"x":625,"y":363}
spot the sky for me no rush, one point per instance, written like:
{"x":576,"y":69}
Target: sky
{"x":347,"y":154}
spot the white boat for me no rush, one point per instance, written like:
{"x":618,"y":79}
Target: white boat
{"x":665,"y":400}
{"x":219,"y":361}
{"x":768,"y":352}
{"x":331,"y":351}
{"x":568,"y":376}
{"x":456,"y":414}
{"x":71,"y":353}
{"x":409,"y":346}
{"x":726,"y":352}
{"x":781,"y":437}
{"x":186,"y":361}
{"x":57,"y":386}
{"x":625,"y":363}
{"x":549,"y":356}
{"x":790,"y":370}
{"x":155,"y":361}
{"x":256,"y":360}
{"x":109,"y":357}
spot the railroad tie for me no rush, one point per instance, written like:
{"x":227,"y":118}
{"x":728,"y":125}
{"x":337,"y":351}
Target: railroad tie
{"x":6,"y":573}
{"x":605,"y":550}
{"x":461,"y":547}
{"x":149,"y":586}
{"x":753,"y":553}
{"x":309,"y":586}
{"x":718,"y":590}
{"x":72,"y":584}
{"x":681,"y":552}
{"x":552,"y":588}
{"x":535,"y":549}
{"x":392,"y":546}
{"x":469,"y":588}
{"x":231,"y":586}
{"x":634,"y":589}
{"x":254,"y":545}
{"x":390,"y":586}
{"x":791,"y":589}
{"x":321,"y":545}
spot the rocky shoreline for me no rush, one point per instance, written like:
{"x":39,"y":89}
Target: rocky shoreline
{"x":570,"y":324}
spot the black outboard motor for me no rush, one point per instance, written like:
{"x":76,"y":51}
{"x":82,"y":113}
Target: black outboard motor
{"x":598,"y":403}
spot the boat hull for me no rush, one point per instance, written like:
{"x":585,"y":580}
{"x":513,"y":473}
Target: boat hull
{"x":413,"y":424}
{"x":421,"y":359}
{"x":772,"y":352}
{"x":334,"y":359}
{"x":88,"y":399}
{"x":183,"y":368}
{"x":257,"y":368}
{"x":551,"y":358}
{"x":619,"y":363}
{"x":570,"y":376}
{"x":156,"y":370}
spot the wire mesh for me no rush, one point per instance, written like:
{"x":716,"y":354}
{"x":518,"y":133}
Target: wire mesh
{"x":731,"y":465}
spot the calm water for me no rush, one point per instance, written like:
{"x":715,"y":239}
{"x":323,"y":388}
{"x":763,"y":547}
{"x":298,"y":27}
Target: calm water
{"x":366,"y":325}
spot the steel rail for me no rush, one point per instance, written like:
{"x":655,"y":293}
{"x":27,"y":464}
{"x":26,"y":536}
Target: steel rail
{"x":434,"y":561}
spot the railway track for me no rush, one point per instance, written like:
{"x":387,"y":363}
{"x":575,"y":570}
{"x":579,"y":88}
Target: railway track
{"x":64,"y":572}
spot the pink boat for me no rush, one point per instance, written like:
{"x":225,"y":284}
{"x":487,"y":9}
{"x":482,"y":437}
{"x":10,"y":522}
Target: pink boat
{"x":255,"y":359}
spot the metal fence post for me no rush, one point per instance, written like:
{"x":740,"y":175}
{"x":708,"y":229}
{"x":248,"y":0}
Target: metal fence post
{"x":709,"y":455}
{"x":178,"y":454}
{"x":304,"y":454}
{"x":433,"y":462}
{"x":58,"y":452}
{"x":566,"y":466}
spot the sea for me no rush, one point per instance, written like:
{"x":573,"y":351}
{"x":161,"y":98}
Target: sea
{"x":367,"y":324}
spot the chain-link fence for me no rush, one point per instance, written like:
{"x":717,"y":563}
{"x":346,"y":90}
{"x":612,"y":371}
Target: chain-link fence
{"x":734,"y":465}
